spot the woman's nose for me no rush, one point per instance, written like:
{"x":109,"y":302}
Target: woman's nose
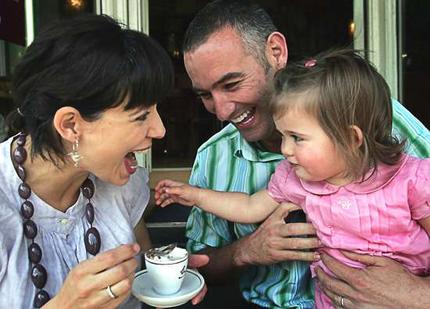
{"x":157,"y":130}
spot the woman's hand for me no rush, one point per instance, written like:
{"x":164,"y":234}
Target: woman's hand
{"x":384,"y":283}
{"x":87,"y":284}
{"x":168,"y":192}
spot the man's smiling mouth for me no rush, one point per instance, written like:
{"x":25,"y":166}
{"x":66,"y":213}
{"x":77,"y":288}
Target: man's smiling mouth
{"x":244,"y":118}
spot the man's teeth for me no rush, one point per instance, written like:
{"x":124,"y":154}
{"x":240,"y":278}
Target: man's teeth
{"x":241,"y":117}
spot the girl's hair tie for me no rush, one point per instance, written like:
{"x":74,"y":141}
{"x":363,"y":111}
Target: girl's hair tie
{"x":310,"y":63}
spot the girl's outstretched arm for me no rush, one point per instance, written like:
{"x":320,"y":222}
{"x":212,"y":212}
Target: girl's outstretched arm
{"x":232,"y":206}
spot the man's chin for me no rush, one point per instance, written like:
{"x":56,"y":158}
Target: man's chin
{"x":251,"y":135}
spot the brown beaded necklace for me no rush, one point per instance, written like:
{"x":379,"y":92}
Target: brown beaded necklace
{"x":92,"y":239}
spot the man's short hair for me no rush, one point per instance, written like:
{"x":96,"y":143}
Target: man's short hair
{"x":251,"y":22}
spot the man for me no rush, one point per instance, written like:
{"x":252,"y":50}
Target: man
{"x":231,"y":52}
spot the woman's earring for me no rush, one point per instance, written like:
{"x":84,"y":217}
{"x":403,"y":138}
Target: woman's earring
{"x":74,"y":155}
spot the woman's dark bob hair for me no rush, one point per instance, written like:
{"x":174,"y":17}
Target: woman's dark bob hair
{"x":90,"y":63}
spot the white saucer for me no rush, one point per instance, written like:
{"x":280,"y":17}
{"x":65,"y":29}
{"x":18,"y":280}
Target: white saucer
{"x":143,"y":291}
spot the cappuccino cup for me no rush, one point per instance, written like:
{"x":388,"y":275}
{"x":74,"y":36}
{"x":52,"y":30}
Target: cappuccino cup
{"x":166,"y":271}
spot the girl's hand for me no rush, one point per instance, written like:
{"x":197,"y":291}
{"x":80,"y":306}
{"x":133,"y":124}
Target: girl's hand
{"x":168,"y":192}
{"x":86,"y":286}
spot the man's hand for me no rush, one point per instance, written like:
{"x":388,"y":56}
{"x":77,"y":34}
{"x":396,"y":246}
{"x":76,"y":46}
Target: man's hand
{"x":275,"y":241}
{"x":384,"y":283}
{"x":196,"y":261}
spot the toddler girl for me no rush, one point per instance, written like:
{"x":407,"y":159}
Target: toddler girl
{"x":342,"y":167}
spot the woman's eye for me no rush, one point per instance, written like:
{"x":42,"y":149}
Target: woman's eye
{"x":142,"y":117}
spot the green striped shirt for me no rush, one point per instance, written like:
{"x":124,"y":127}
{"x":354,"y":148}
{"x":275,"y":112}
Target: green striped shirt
{"x":226,"y":162}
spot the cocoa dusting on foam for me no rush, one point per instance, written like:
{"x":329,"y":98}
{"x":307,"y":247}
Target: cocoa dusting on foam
{"x":167,"y":253}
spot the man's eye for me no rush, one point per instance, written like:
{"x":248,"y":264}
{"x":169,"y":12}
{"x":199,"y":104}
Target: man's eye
{"x":231,"y":86}
{"x":204,"y":96}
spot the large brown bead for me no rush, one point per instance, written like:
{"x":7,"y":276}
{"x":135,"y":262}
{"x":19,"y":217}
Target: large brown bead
{"x":30,"y":229}
{"x":19,"y":154}
{"x":39,"y":276}
{"x":24,"y":190}
{"x":21,"y":172}
{"x":92,"y":241}
{"x":41,"y":298}
{"x":88,"y":188}
{"x":27,"y":209}
{"x":21,"y":140}
{"x":89,"y":213}
{"x":34,"y":253}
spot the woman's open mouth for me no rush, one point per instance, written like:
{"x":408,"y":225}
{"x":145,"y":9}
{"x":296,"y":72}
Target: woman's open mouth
{"x":130,"y":163}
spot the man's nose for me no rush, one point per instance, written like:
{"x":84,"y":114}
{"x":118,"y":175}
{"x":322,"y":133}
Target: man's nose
{"x":224,"y":108}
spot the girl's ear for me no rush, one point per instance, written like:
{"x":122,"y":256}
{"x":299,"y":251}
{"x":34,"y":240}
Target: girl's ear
{"x":357,"y":136}
{"x":276,"y":50}
{"x":67,"y":122}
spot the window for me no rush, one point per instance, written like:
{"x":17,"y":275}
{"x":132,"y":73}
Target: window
{"x":310,"y":27}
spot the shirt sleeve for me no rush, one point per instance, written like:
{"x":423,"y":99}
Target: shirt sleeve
{"x":406,"y":126}
{"x":277,"y":184}
{"x":204,"y":229}
{"x":419,"y":194}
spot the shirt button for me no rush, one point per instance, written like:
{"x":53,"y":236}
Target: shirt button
{"x":64,"y":221}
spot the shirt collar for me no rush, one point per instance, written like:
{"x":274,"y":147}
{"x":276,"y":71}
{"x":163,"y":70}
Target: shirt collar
{"x":374,"y":181}
{"x":253,"y":151}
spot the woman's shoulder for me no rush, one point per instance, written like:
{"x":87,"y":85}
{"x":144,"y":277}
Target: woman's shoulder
{"x":10,"y":219}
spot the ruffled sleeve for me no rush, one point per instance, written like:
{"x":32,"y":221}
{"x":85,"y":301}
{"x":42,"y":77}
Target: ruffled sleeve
{"x":276,"y":187}
{"x":419,"y":192}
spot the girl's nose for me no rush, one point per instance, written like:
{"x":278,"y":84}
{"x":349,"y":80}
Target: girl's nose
{"x":287,"y":148}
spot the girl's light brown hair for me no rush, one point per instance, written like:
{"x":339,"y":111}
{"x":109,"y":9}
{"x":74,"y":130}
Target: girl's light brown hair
{"x":345,"y":90}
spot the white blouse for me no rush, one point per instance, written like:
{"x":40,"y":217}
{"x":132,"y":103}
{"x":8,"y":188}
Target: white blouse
{"x":61,"y":235}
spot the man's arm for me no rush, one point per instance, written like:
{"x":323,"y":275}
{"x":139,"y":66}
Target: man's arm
{"x":384,"y":283}
{"x":274,"y":241}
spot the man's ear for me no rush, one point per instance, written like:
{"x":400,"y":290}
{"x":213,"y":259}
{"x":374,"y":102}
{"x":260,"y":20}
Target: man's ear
{"x":357,"y":136}
{"x":67,"y":122}
{"x":276,"y":50}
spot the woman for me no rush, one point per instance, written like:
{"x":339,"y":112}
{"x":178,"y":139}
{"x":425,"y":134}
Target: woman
{"x":86,"y":92}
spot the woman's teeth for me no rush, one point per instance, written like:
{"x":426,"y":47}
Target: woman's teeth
{"x":132,"y":160}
